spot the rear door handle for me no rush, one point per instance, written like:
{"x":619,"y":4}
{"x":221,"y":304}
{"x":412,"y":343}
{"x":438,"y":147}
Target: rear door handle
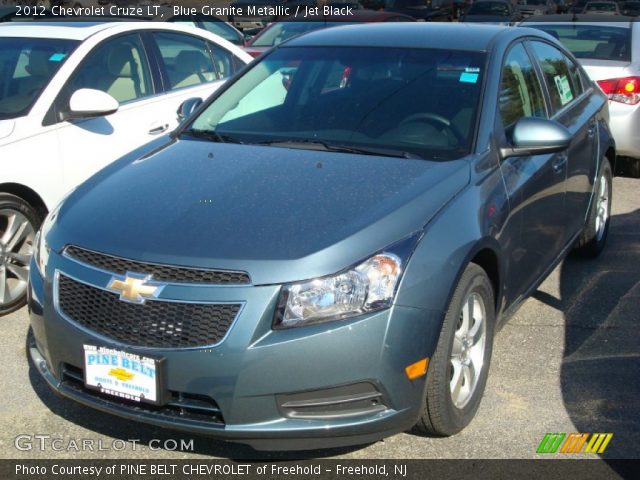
{"x":158,"y":128}
{"x":559,"y":162}
{"x":593,"y":128}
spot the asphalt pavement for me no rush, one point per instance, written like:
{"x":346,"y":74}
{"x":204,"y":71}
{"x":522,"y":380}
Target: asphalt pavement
{"x":568,"y":361}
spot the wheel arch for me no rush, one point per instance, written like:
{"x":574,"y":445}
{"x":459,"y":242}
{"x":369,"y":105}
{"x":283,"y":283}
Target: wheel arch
{"x":28,"y":195}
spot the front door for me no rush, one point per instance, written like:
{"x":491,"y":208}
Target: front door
{"x":535,"y":184}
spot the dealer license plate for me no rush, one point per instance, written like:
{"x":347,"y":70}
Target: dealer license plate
{"x":121,"y":374}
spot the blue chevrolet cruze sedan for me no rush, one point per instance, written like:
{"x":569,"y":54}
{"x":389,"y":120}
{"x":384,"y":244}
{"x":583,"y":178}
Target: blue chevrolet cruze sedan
{"x":321,"y":254}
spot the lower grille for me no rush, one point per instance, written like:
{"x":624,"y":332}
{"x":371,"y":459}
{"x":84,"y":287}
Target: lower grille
{"x":180,"y":405}
{"x":156,"y":324}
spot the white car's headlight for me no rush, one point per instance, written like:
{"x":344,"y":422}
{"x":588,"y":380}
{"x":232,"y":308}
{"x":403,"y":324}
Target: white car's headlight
{"x":42,"y":247}
{"x":369,"y":286}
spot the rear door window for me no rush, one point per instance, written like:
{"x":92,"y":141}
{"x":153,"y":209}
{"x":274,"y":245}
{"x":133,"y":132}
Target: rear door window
{"x":557,"y":76}
{"x":187,"y":60}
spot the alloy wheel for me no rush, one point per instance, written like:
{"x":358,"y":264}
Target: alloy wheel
{"x":602,"y":206}
{"x":16,"y":248}
{"x":467,"y":353}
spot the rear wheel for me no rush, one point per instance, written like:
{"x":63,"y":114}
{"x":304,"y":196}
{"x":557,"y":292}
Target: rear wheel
{"x":458,"y":370}
{"x":18,"y":225}
{"x":594,"y":237}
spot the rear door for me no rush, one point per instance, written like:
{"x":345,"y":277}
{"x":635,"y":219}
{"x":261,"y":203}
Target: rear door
{"x":574,"y":107}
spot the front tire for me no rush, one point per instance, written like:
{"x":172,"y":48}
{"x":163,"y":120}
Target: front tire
{"x":458,"y":370}
{"x":594,"y":237}
{"x":19,"y":223}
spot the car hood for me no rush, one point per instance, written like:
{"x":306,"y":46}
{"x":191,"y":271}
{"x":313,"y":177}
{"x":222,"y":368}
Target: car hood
{"x":280,"y":214}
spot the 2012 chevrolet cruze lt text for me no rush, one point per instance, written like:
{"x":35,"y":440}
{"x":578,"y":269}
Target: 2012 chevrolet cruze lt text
{"x":321,"y":255}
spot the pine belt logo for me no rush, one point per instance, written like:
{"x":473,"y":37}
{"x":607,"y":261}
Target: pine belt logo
{"x":574,"y":443}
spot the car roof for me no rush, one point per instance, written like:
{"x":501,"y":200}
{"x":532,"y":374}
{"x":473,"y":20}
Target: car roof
{"x":455,"y":36}
{"x":61,"y":30}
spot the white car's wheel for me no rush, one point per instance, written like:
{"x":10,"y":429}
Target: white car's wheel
{"x":18,"y":225}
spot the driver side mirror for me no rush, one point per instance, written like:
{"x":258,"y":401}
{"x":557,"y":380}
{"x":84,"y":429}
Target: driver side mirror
{"x":89,"y":103}
{"x":188,"y":107}
{"x":536,"y":136}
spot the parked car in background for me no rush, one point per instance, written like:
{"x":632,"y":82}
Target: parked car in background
{"x":165,"y":14}
{"x":278,"y":32}
{"x":75,"y":97}
{"x":492,"y":11}
{"x":7,"y":13}
{"x":536,"y":7}
{"x":265,"y":13}
{"x":630,"y":9}
{"x":364,"y":232}
{"x":606,"y":8}
{"x":577,"y":6}
{"x":207,"y":22}
{"x":421,"y":10}
{"x":610,"y":54}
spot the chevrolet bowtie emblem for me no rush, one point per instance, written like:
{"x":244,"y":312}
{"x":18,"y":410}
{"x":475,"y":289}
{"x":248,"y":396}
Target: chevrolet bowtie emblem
{"x":134,"y":288}
{"x":121,"y":374}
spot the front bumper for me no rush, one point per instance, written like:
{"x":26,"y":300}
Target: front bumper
{"x":329,"y":385}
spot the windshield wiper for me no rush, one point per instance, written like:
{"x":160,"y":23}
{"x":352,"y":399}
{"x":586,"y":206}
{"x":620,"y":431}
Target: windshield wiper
{"x":335,"y":147}
{"x":212,"y":136}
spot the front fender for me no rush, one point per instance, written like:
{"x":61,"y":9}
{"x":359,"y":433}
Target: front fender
{"x":472,"y":222}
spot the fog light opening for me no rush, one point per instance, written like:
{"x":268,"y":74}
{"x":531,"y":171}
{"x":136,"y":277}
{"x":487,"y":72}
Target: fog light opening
{"x":417,"y":369}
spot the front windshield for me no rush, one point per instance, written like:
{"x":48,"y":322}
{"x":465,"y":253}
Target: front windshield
{"x":416,"y":101}
{"x":26,"y":66}
{"x":489,"y":8}
{"x":281,"y":31}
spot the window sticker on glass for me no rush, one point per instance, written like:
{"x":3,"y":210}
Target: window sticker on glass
{"x":468,"y":77}
{"x":57,"y":57}
{"x":564,"y":89}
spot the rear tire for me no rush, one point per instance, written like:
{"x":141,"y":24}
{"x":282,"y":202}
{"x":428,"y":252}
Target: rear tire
{"x":458,"y":370}
{"x":19,"y":223}
{"x":595,"y":233}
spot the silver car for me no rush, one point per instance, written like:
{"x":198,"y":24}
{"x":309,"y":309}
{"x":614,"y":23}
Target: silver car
{"x":610,"y":54}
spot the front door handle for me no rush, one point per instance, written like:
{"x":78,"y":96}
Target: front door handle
{"x":158,"y":128}
{"x":559,"y":162}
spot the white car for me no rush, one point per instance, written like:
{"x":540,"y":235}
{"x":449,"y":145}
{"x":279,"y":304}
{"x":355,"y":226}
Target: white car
{"x":609,"y":51}
{"x":74,"y":97}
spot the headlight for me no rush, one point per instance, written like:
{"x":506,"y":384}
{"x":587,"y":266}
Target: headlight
{"x":42,"y":247}
{"x":367,"y":287}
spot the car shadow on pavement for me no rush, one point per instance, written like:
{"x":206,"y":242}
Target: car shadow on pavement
{"x":148,"y":437}
{"x":600,"y":371}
